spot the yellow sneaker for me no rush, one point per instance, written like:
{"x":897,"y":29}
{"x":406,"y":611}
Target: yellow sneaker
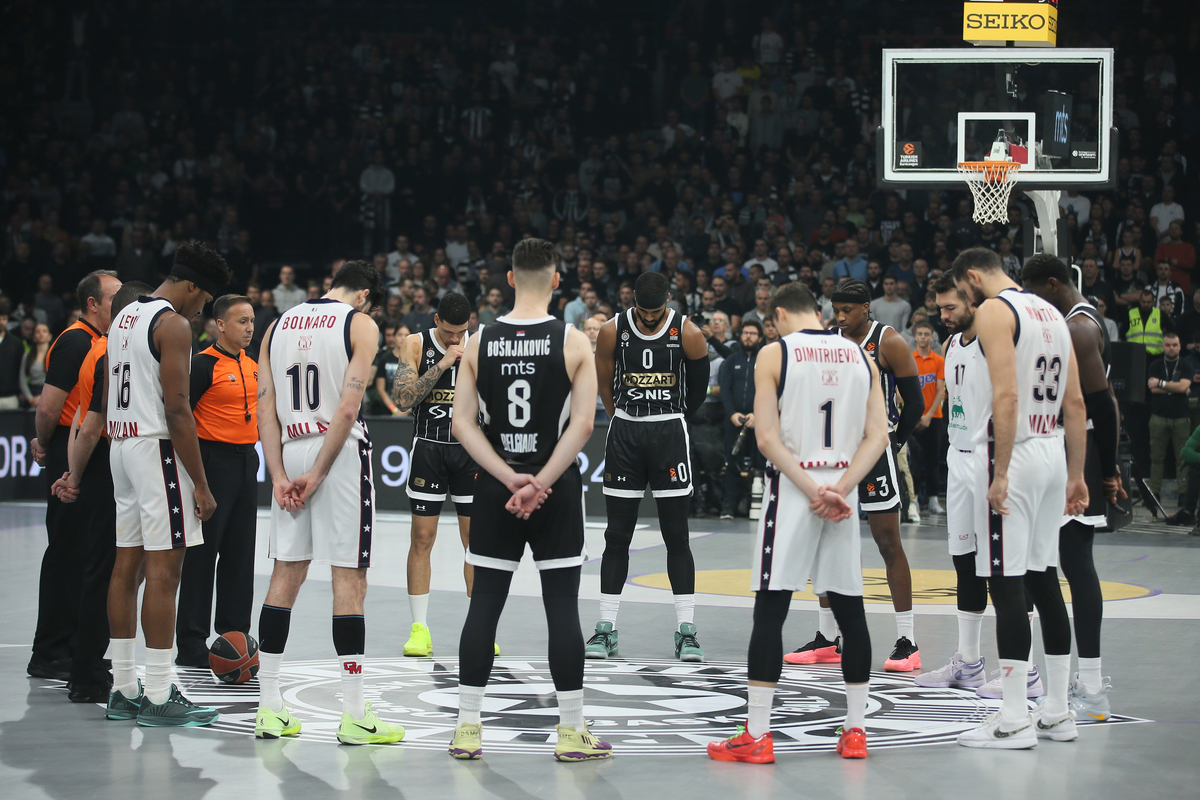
{"x":467,"y":742}
{"x":579,"y":745}
{"x":497,"y":646}
{"x":419,"y":643}
{"x":271,"y":724}
{"x":368,"y":730}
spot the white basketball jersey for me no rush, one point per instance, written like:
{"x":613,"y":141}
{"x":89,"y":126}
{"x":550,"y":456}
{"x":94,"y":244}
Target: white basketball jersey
{"x":135,"y":393}
{"x":967,"y":385}
{"x":1043,"y":356}
{"x":310,"y":352}
{"x":824,"y":382}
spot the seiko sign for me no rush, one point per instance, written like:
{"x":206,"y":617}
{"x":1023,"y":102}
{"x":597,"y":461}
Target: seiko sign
{"x":1034,"y":24}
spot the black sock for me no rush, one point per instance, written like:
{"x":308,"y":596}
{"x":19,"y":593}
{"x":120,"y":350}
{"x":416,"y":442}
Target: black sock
{"x":273,"y":625}
{"x":350,"y":634}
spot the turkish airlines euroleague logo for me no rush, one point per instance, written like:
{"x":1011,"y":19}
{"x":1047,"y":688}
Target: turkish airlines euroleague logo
{"x":909,"y":155}
{"x":909,"y":148}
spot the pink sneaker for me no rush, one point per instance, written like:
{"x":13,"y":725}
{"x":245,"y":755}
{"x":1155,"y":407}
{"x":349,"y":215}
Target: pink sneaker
{"x":819,"y":651}
{"x":905,"y":658}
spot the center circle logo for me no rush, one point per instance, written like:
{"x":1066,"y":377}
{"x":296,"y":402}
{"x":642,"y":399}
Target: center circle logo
{"x":643,"y":707}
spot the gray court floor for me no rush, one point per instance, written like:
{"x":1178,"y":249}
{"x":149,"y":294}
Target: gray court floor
{"x":657,"y":713}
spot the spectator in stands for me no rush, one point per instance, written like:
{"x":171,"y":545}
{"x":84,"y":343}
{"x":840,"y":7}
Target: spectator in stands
{"x":1126,"y":289}
{"x":494,"y":308}
{"x":420,"y":318}
{"x":137,"y":261}
{"x":891,"y":309}
{"x":287,"y":294}
{"x":1179,"y":254}
{"x":1170,"y":421}
{"x":33,"y":365}
{"x":1166,"y":289}
{"x":12,"y":353}
{"x":1163,"y":213}
{"x":50,"y":302}
{"x":1146,"y":324}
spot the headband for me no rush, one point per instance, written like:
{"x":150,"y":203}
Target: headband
{"x":188,"y":274}
{"x":652,"y":301}
{"x":842,"y":296}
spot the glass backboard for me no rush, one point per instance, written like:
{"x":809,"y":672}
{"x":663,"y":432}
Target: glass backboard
{"x":1053,"y":107}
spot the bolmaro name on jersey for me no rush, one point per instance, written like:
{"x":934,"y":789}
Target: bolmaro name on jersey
{"x":518,"y":348}
{"x":298,"y":323}
{"x":830,"y":356}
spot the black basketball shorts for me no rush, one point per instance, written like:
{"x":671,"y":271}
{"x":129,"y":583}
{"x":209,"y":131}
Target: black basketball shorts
{"x":1096,"y":513}
{"x":554,"y":532}
{"x":437,"y":470}
{"x":879,"y":492}
{"x":657,"y":454}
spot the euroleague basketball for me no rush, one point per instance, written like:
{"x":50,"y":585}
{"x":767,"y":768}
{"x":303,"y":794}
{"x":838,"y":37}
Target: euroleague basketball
{"x":233,"y":657}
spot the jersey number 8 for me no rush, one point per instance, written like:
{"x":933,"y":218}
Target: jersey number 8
{"x":518,"y":403}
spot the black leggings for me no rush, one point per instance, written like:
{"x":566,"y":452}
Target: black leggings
{"x":765,"y":660}
{"x":972,"y":589}
{"x":1075,"y":556}
{"x":560,"y":598}
{"x":672,"y":518}
{"x":1011,"y":596}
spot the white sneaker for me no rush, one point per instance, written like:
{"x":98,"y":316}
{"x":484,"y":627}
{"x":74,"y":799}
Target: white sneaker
{"x":997,"y":733}
{"x":1094,"y":706}
{"x":957,"y":674}
{"x":1061,"y":729}
{"x":994,"y":689}
{"x":914,"y":516}
{"x":935,"y":507}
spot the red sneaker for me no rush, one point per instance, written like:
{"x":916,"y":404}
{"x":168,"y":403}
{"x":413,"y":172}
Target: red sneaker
{"x":852,"y":743}
{"x":819,"y":651}
{"x":905,"y":658}
{"x":744,"y":747}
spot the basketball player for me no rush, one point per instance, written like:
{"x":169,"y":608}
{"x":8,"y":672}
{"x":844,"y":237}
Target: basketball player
{"x":879,"y":494}
{"x":158,"y":480}
{"x":532,"y":376}
{"x":1050,"y":279}
{"x":822,"y":426}
{"x":1027,"y":348}
{"x":315,"y":361}
{"x":967,"y":387}
{"x":652,"y":369}
{"x":440,"y":468}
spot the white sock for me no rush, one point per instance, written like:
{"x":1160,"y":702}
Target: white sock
{"x":570,"y":708}
{"x":904,"y":625}
{"x":470,"y":702}
{"x":1013,"y":676}
{"x":268,"y":680}
{"x":158,"y":675}
{"x":1089,"y":673}
{"x":758,"y":720}
{"x":969,"y":624}
{"x":418,"y":605}
{"x":685,"y":608}
{"x":125,"y":673}
{"x":856,"y":705}
{"x":1058,"y":674}
{"x":826,"y":623}
{"x":609,"y":603}
{"x":352,"y":686}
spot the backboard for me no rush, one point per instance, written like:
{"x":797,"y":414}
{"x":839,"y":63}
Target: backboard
{"x":945,"y":106}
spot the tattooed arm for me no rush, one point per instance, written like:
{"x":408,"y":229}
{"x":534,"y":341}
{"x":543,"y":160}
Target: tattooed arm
{"x":364,"y":334}
{"x":409,"y":389}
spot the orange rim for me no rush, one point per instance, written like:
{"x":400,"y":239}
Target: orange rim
{"x":992,"y":171}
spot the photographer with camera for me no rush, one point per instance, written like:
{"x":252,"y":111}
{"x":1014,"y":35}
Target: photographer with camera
{"x":737,"y":394}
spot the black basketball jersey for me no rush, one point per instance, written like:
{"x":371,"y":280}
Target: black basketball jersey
{"x":648,"y":375}
{"x":887,"y":378}
{"x":1089,"y":310}
{"x":432,"y":416}
{"x":524,"y":389}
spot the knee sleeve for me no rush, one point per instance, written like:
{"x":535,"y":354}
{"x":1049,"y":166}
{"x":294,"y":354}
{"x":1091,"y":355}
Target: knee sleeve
{"x":1087,"y":602}
{"x":856,"y":640}
{"x":972,"y":589}
{"x":614,"y":566}
{"x":765,"y":661}
{"x":681,"y":567}
{"x":476,"y":650}
{"x":1012,"y":620}
{"x":1044,"y":588}
{"x":560,"y":598}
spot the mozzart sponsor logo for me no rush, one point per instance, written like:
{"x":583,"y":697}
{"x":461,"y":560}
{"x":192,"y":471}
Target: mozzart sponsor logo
{"x":643,"y":707}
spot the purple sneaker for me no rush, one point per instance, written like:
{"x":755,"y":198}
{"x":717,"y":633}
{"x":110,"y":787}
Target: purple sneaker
{"x":993,"y":689}
{"x":955,"y":675}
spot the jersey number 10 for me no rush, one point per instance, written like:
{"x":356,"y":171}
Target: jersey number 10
{"x":311,"y":387}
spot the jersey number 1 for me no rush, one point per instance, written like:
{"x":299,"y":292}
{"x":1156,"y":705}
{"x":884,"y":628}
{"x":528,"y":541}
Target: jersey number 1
{"x":826,"y":410}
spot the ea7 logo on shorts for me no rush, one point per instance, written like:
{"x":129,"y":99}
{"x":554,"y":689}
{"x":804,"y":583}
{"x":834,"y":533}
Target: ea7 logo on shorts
{"x":353,"y":667}
{"x":829,"y":377}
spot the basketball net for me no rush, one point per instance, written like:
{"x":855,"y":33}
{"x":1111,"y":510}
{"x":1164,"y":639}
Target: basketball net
{"x":991,"y":183}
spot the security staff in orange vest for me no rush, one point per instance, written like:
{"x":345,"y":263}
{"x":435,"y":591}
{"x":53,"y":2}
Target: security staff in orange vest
{"x":224,"y":395}
{"x":63,"y":562}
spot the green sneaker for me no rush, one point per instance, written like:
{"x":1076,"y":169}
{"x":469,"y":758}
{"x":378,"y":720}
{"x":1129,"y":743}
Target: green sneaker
{"x":271,"y":724}
{"x":686,"y":646}
{"x":176,"y":712}
{"x":467,"y":742}
{"x":603,"y":643}
{"x":368,"y":730}
{"x":419,"y":643}
{"x":581,"y":745}
{"x":122,"y":707}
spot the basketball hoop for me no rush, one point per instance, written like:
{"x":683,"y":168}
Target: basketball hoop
{"x":991,"y":183}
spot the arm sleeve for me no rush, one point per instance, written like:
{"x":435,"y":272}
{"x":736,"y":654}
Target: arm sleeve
{"x":697,"y":384}
{"x":202,"y":376}
{"x":914,"y":407}
{"x":62,"y":369}
{"x":97,"y":404}
{"x":1102,"y":411}
{"x":1191,"y":448}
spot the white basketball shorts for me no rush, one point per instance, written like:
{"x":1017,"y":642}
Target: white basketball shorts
{"x":966,"y":490}
{"x":1025,"y":539}
{"x":337,"y":524}
{"x":156,"y":504}
{"x":794,"y":545}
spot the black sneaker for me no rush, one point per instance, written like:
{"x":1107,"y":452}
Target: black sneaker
{"x":904,"y":658}
{"x":57,"y":670}
{"x":819,"y":651}
{"x":1195,"y":530}
{"x":192,"y":660}
{"x":1181,"y":517}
